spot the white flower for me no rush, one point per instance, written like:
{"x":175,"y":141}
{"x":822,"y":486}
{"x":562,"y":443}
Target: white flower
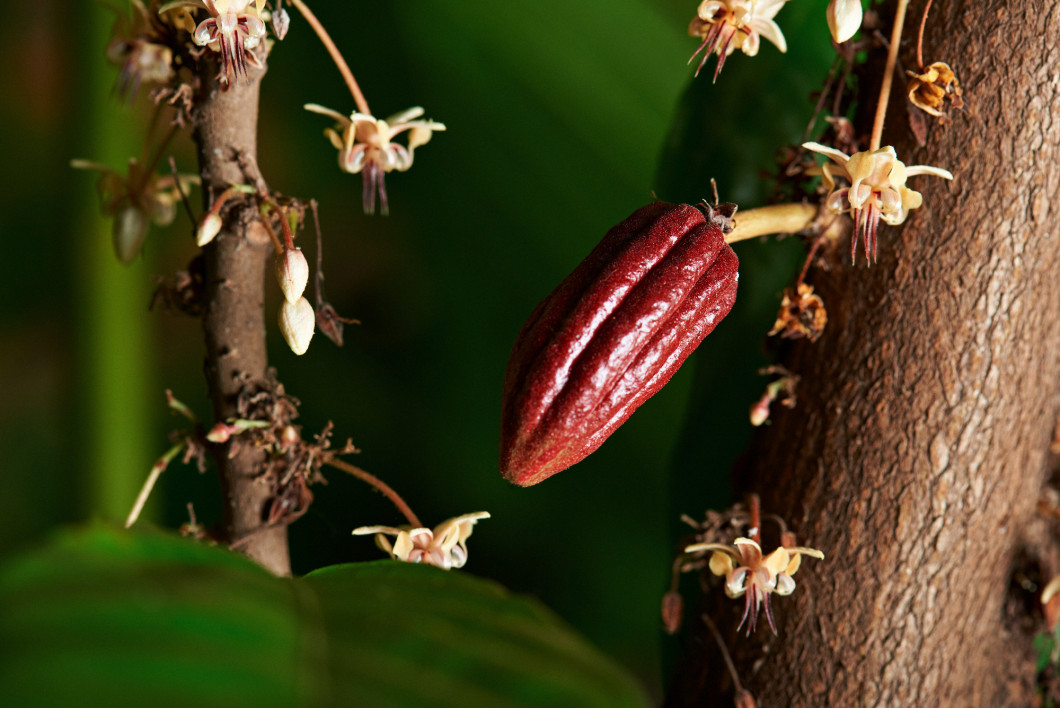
{"x":877,"y":189}
{"x":445,"y":546}
{"x":366,"y":144}
{"x":728,"y":25}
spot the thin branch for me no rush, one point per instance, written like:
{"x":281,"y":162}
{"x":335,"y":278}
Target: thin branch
{"x":318,"y":281}
{"x":336,"y":56}
{"x":156,"y":471}
{"x":724,"y":652}
{"x":888,"y":75}
{"x":379,"y":484}
{"x":822,"y":98}
{"x":180,"y":191}
{"x":920,"y":38}
{"x":813,"y":251}
{"x":754,"y":508}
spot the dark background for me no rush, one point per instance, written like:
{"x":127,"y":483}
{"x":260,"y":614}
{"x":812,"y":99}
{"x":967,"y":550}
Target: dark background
{"x":562,"y":119}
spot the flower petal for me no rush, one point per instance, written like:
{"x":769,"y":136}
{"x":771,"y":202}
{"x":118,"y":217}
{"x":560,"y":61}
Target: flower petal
{"x":316,"y":108}
{"x":367,"y":530}
{"x":405,"y":116}
{"x":928,"y":170}
{"x":838,"y":156}
{"x":721,"y":563}
{"x":785,"y":584}
{"x":777,"y":561}
{"x":771,"y":31}
{"x":736,"y":585}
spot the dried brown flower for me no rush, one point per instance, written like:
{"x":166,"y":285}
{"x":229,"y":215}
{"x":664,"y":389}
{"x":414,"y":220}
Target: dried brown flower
{"x":800,"y":315}
{"x":930,"y":90}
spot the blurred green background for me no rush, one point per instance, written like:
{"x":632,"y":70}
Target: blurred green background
{"x":562,"y":119}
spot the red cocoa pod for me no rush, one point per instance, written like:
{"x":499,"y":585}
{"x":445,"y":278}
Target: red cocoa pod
{"x":612,"y":334}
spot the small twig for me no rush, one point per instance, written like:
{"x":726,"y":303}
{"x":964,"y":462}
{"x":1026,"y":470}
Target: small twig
{"x":837,"y":101}
{"x":178,"y":406}
{"x":374,"y":481}
{"x":156,"y":471}
{"x":754,"y":509}
{"x":277,"y":245}
{"x":888,"y":75}
{"x":150,"y":168}
{"x":180,"y":191}
{"x":813,"y":251}
{"x":724,"y":652}
{"x":821,"y":99}
{"x":920,"y":38}
{"x":318,"y":280}
{"x":344,"y":69}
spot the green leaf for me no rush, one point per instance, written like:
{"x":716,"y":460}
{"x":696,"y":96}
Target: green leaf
{"x":115,"y":618}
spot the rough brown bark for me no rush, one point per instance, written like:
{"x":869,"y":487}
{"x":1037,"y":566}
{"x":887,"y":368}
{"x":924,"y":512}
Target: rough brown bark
{"x":234,"y":319}
{"x":918,"y":447}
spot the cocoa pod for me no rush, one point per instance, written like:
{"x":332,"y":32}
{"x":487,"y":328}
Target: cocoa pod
{"x":612,"y":334}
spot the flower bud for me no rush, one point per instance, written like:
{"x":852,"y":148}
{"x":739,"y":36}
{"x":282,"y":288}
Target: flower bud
{"x":129,"y":232}
{"x":844,"y":19}
{"x":673,"y":607}
{"x":220,"y":433}
{"x":289,"y":437}
{"x":208,"y":229}
{"x":760,"y":410}
{"x":297,"y":322}
{"x":281,"y":21}
{"x":292,"y":272}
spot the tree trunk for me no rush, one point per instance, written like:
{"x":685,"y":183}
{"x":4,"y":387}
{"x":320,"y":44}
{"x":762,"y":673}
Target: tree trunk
{"x":918,"y":447}
{"x":234,"y":320}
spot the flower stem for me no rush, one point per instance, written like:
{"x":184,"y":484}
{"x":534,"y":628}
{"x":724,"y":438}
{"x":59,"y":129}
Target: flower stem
{"x":754,"y":510}
{"x":156,"y":471}
{"x":920,"y":38}
{"x":888,"y":75}
{"x":374,"y":481}
{"x":809,"y":257}
{"x":775,"y":219}
{"x":344,"y":69}
{"x":724,"y":653}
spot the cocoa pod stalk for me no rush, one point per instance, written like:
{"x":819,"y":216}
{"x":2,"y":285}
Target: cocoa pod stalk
{"x":612,"y":334}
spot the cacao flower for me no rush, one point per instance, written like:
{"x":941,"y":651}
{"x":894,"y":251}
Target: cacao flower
{"x":612,"y":334}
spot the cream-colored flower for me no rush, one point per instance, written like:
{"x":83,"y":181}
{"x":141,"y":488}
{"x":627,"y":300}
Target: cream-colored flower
{"x":877,"y":189}
{"x":728,"y":25}
{"x":233,"y":29}
{"x":445,"y":546}
{"x":366,"y":144}
{"x":747,"y":573}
